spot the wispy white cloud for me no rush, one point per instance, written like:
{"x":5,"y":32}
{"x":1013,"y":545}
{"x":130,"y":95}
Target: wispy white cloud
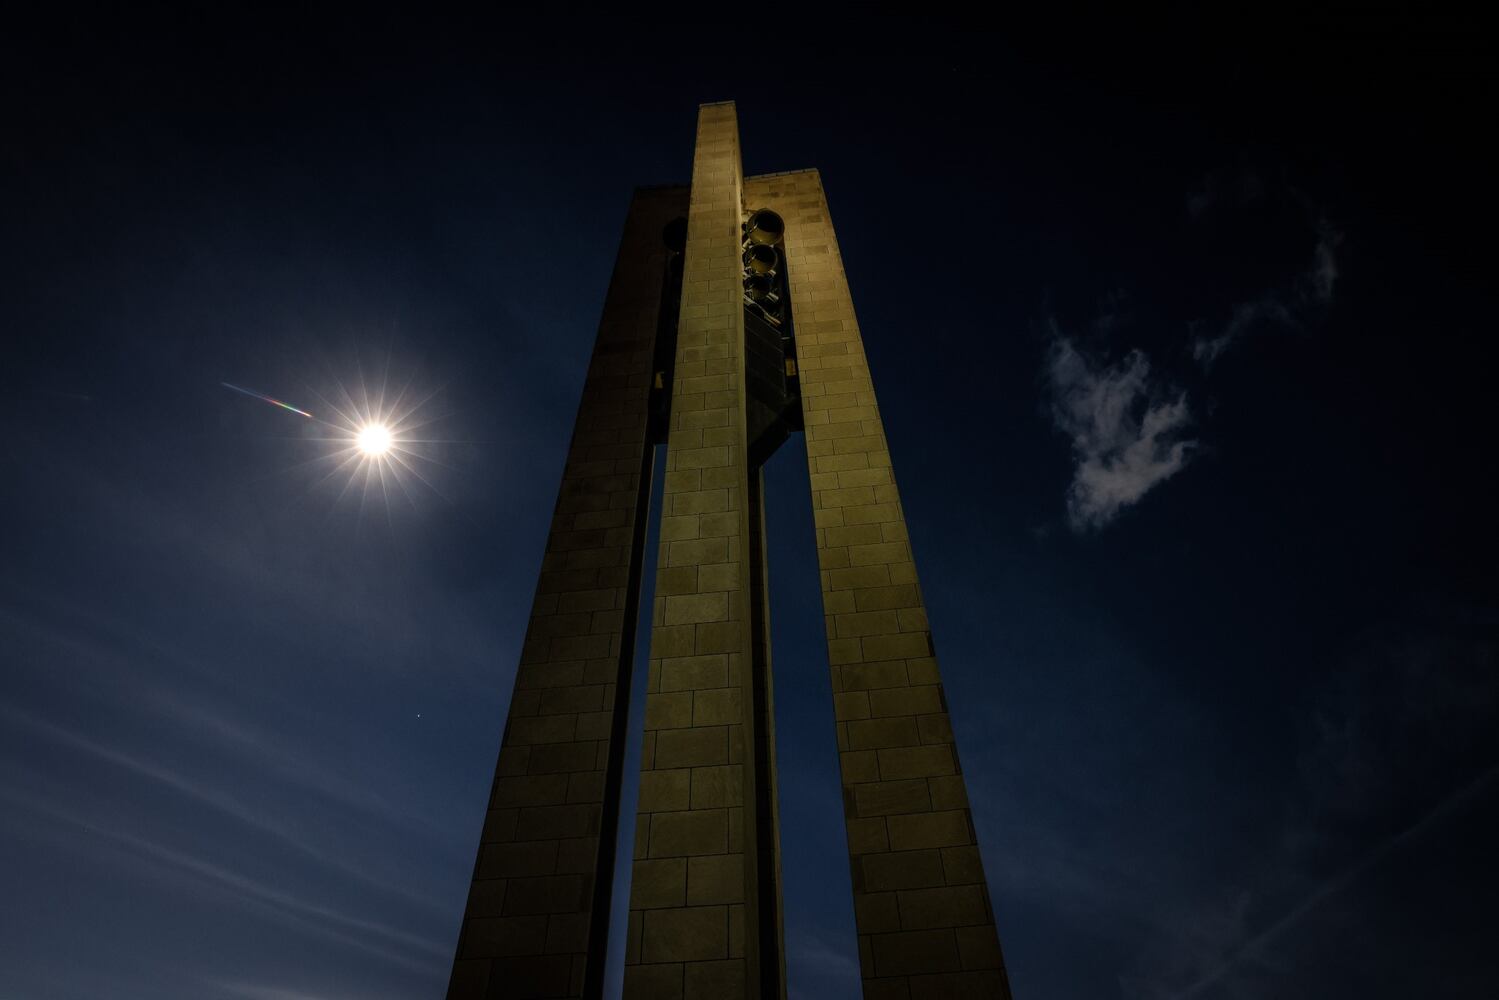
{"x":1246,"y":315}
{"x":1236,"y":186}
{"x":1127,"y":430}
{"x":1286,"y":306}
{"x":1324,"y":272}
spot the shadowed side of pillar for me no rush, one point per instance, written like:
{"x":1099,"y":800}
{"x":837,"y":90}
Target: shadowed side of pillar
{"x":536,"y":919}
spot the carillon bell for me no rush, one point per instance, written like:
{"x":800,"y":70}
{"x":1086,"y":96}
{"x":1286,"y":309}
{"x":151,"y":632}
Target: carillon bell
{"x":761,"y":290}
{"x":761,"y":258}
{"x":762,"y":262}
{"x":765,"y":228}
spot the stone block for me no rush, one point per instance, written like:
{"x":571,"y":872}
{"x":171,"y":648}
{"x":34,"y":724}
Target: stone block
{"x":717,"y":637}
{"x":577,"y":855}
{"x":689,"y":609}
{"x":914,"y":700}
{"x":685,"y":934}
{"x":906,"y":953}
{"x":546,"y":894}
{"x":936,"y":829}
{"x":486,"y":897}
{"x":719,"y":576}
{"x":517,"y":858}
{"x":470,"y":979}
{"x":888,"y":988}
{"x":947,"y":791}
{"x":715,"y":879}
{"x":877,"y":912}
{"x":494,"y":937}
{"x":916,"y":762}
{"x":542,"y":729}
{"x":716,"y":707}
{"x":862,"y":623}
{"x":849,"y":705}
{"x":594,"y":725}
{"x":901,"y":870}
{"x":978,"y":946}
{"x":652,"y":982}
{"x":717,"y":787}
{"x":895,"y":647}
{"x":556,"y":822}
{"x":890,"y":798}
{"x":935,"y":728}
{"x":692,"y":747}
{"x":563,"y":758}
{"x":664,"y":790}
{"x":723,"y":980}
{"x":499,"y":825}
{"x":530,"y":976}
{"x":871,"y":734}
{"x":671,"y":580}
{"x":567,"y":933}
{"x":867,"y":836}
{"x":657,"y":883}
{"x":668,"y":710}
{"x":687,"y":834}
{"x":949,"y":906}
{"x":687,"y":673}
{"x":962,"y":864}
{"x":540,"y":789}
{"x":858,"y":766}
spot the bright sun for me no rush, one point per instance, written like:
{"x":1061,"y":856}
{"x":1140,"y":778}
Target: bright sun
{"x":374,"y":439}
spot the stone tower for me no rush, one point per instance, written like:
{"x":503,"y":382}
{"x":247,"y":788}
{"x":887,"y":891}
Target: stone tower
{"x":727,"y":326}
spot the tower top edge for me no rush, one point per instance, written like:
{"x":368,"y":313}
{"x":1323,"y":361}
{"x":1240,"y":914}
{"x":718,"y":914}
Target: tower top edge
{"x":716,"y":104}
{"x":780,"y":173}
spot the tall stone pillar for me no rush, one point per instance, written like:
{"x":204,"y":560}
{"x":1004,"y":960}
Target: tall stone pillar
{"x":704,"y":922}
{"x":537,"y":911}
{"x":926,"y":926}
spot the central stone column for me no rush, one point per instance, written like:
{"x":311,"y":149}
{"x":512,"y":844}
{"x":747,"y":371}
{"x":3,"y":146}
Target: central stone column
{"x":704,"y":922}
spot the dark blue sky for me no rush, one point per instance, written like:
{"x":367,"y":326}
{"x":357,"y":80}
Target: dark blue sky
{"x":1184,"y":339}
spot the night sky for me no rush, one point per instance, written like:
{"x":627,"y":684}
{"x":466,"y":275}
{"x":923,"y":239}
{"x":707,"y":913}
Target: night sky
{"x":1184,"y":340}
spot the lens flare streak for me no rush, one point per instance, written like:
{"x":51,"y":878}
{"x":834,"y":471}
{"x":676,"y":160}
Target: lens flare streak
{"x":267,"y":399}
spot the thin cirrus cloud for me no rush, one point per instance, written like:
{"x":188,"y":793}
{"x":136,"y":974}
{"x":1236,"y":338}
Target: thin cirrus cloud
{"x":1246,"y":316}
{"x":1443,"y":812}
{"x":1287,"y":306}
{"x":211,"y":796}
{"x":396,"y":945}
{"x":242,"y":990}
{"x":1128,"y":431}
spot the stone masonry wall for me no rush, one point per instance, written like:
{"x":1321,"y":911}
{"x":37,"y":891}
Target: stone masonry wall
{"x":694,"y":894}
{"x":925,"y":923}
{"x":529,"y":919}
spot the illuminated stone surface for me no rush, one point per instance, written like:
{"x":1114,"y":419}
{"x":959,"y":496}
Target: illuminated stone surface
{"x":705,"y":896}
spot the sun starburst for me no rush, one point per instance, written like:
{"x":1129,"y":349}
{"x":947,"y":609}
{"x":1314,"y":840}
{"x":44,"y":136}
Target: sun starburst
{"x":377,"y":445}
{"x":374,"y":439}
